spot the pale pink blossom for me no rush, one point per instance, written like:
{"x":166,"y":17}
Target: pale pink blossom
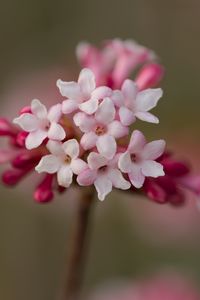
{"x":63,"y":160}
{"x":139,"y":159}
{"x":41,"y":124}
{"x":104,"y":174}
{"x":136,"y":104}
{"x":101,"y":129}
{"x":83,"y":94}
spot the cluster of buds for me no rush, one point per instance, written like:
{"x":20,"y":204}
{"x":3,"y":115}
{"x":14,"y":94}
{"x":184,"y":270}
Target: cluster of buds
{"x":87,"y":140}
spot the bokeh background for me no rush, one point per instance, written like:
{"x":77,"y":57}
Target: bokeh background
{"x":131,"y":237}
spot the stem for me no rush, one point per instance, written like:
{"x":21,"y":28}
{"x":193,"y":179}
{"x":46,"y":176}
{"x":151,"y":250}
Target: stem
{"x":79,"y":245}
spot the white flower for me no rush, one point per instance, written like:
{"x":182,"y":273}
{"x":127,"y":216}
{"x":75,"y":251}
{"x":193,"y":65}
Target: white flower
{"x":41,"y":124}
{"x":63,"y":160}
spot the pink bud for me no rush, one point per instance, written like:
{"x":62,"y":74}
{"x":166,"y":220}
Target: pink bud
{"x":149,"y":76}
{"x":155,"y":192}
{"x":25,"y":109}
{"x":6,"y":128}
{"x":25,"y":159}
{"x":13,"y":176}
{"x":175,"y":168}
{"x":43,"y":193}
{"x":21,"y":138}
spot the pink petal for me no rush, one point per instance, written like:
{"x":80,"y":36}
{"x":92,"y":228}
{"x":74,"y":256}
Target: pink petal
{"x":35,"y":139}
{"x":147,"y":117}
{"x":69,"y":89}
{"x":106,"y":112}
{"x":126,"y":116}
{"x":153,"y":150}
{"x":55,"y":148}
{"x":137,"y":142}
{"x":117,"y":130}
{"x":148,"y":99}
{"x":71,"y":148}
{"x":103,"y":186}
{"x":118,"y":180}
{"x":129,"y":90}
{"x":86,"y":82}
{"x":107,"y":146}
{"x":64,"y":176}
{"x":48,"y":164}
{"x":136,"y":177}
{"x":69,"y":106}
{"x":78,"y":165}
{"x":84,"y":122}
{"x":88,"y":140}
{"x":152,"y":168}
{"x":117,"y":98}
{"x":96,"y":160}
{"x":56,"y":132}
{"x":38,"y":109}
{"x":125,"y":163}
{"x":28,"y":122}
{"x":90,"y":106}
{"x":101,"y":92}
{"x":87,"y":177}
{"x":55,"y":113}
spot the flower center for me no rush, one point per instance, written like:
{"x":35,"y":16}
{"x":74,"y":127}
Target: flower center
{"x":100,"y":130}
{"x":134,"y":158}
{"x":103,"y":169}
{"x":67,"y":159}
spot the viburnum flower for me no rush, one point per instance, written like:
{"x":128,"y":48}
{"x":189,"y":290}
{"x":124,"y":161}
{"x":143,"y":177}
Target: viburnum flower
{"x":83,"y":94}
{"x":102,"y":129}
{"x":104,"y":174}
{"x":63,"y":160}
{"x":139,"y":159}
{"x":41,"y":124}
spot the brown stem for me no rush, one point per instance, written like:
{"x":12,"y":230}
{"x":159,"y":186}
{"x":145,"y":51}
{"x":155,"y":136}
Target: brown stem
{"x":79,"y":243}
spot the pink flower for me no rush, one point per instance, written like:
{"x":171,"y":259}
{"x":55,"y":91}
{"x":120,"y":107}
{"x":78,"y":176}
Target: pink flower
{"x":82,"y":94}
{"x":139,"y":159}
{"x":104,"y":174}
{"x":135,"y":104}
{"x":63,"y":160}
{"x":102,"y":129}
{"x":41,"y":124}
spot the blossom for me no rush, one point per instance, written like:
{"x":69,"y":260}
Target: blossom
{"x":102,"y":129}
{"x":136,"y":104}
{"x":41,"y":124}
{"x":104,"y":174}
{"x":139,"y":159}
{"x":63,"y":160}
{"x":82,"y":94}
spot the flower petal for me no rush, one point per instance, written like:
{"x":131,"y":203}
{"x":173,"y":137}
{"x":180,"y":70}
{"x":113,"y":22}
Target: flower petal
{"x":90,"y":106}
{"x":69,"y":106}
{"x":153,"y":150}
{"x":71,"y":148}
{"x":28,"y":122}
{"x":88,"y":140}
{"x":136,"y":177}
{"x":84,"y":122}
{"x":78,"y":165}
{"x":129,"y":90}
{"x":107,"y":146}
{"x":35,"y":139}
{"x":106,"y":112}
{"x":103,"y":186}
{"x":152,"y":168}
{"x":56,"y":132}
{"x":86,"y":82}
{"x":65,"y":176}
{"x":125,"y":163}
{"x":148,"y":99}
{"x":69,"y":89}
{"x":38,"y":109}
{"x":137,"y":142}
{"x":55,"y":148}
{"x":87,"y":177}
{"x":126,"y":116}
{"x":118,"y":180}
{"x":101,"y":92}
{"x":147,"y":117}
{"x":96,"y":160}
{"x":55,"y":113}
{"x":117,"y":98}
{"x":49,"y":164}
{"x":117,"y":130}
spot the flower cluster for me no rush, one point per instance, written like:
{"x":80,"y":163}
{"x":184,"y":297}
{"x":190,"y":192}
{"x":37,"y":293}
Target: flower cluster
{"x":87,"y":138}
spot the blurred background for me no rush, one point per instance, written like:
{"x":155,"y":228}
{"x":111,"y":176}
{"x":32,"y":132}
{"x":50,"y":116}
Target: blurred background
{"x":131,"y":237}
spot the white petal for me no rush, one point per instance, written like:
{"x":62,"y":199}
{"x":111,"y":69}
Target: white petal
{"x":56,"y":132}
{"x":103,"y":186}
{"x":106,"y":112}
{"x":88,"y":140}
{"x":69,"y":89}
{"x":126,"y":116}
{"x":38,"y":109}
{"x":96,"y":160}
{"x":90,"y":106}
{"x":147,"y":117}
{"x":125,"y":163}
{"x":86,"y":81}
{"x":101,"y":92}
{"x":136,"y":177}
{"x":87,"y":177}
{"x":117,"y":130}
{"x":55,"y":113}
{"x":129,"y":90}
{"x":148,"y":99}
{"x":78,"y":165}
{"x":152,"y":168}
{"x":65,"y":176}
{"x":84,"y":122}
{"x":49,"y":164}
{"x":28,"y":122}
{"x":107,"y":146}
{"x":35,"y":139}
{"x":118,"y":180}
{"x":137,"y":142}
{"x":69,"y":106}
{"x":117,"y":98}
{"x":55,"y":148}
{"x":153,"y":150}
{"x":71,"y":147}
